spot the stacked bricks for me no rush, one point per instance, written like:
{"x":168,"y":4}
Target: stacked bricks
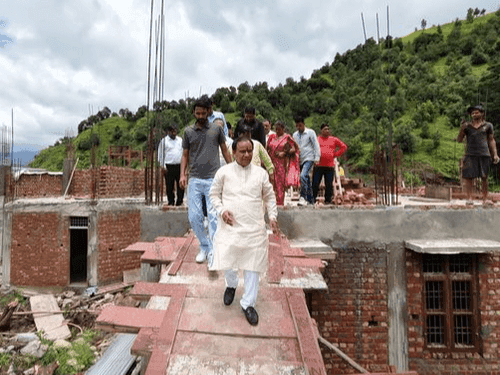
{"x":117,"y":230}
{"x":81,"y":184}
{"x":117,"y":182}
{"x":38,"y":185}
{"x":426,"y":362}
{"x":353,"y":313}
{"x":40,"y":249}
{"x":111,"y":182}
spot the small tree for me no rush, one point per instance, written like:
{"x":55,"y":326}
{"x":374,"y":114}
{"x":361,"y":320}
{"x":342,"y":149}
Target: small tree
{"x":423,"y":24}
{"x":470,"y":15}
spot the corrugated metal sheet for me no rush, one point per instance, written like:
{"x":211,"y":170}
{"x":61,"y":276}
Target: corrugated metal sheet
{"x":117,"y":358}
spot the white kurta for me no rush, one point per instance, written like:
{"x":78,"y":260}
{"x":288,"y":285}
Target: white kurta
{"x":242,"y":190}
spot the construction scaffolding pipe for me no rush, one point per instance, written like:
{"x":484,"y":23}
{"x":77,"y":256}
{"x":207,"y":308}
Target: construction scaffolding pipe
{"x":342,"y":355}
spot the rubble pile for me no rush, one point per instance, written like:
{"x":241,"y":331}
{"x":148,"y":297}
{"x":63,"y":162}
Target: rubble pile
{"x":18,"y":332}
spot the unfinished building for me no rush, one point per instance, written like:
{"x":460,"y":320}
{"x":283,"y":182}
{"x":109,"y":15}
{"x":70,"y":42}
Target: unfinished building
{"x":415,"y":287}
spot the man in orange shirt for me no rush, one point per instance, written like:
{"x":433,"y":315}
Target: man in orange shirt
{"x":331,"y":147}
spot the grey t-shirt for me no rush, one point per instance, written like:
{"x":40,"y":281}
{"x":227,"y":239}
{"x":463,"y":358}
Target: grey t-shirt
{"x":477,"y":139}
{"x":203,"y":145}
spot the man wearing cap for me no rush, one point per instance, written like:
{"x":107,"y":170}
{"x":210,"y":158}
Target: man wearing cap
{"x":169,"y":157}
{"x":481,"y":150}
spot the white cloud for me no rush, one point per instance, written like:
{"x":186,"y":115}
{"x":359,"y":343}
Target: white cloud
{"x":67,"y":56}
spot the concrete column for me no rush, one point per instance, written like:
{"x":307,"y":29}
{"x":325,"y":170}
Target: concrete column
{"x":397,"y":306}
{"x":6,"y":246}
{"x":92,"y":250}
{"x":67,"y":169}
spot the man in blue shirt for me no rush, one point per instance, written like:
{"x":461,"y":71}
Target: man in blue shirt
{"x":309,"y":155}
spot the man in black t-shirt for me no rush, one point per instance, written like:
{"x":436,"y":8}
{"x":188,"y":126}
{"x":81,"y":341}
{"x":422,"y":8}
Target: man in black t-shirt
{"x":257,"y":129}
{"x":481,"y":150}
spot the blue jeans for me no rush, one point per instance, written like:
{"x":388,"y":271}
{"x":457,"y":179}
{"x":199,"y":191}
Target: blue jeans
{"x":197,"y":188}
{"x":318,"y":174}
{"x":305,"y":181}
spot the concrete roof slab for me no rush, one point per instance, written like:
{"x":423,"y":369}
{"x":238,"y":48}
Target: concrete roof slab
{"x":453,"y":246}
{"x":206,"y":345}
{"x":212,"y":316}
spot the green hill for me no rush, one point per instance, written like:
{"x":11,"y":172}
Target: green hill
{"x":420,"y":85}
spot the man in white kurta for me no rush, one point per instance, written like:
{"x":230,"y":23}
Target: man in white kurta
{"x":240,"y":194}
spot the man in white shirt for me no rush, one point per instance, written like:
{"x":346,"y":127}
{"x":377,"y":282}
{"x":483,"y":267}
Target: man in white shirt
{"x":268,"y":128}
{"x":169,"y":157}
{"x":240,"y":194}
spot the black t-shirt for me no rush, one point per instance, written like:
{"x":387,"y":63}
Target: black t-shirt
{"x":477,"y":139}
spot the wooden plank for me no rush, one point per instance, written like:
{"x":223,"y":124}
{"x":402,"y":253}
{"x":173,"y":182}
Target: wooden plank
{"x":182,"y":253}
{"x":439,"y":192}
{"x":52,"y":325}
{"x":276,"y":262}
{"x":138,"y":247}
{"x":304,"y":262}
{"x":163,"y":339}
{"x":164,"y":251}
{"x":143,"y":290}
{"x":309,"y":347}
{"x":129,"y":319}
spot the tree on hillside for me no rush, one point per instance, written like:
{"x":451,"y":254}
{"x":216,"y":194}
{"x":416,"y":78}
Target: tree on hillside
{"x":470,"y":15}
{"x":423,"y":24}
{"x":489,"y":86}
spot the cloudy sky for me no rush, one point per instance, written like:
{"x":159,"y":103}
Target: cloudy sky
{"x":61,"y":60}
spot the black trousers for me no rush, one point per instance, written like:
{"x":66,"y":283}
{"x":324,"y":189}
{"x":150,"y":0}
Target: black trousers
{"x":172,"y":178}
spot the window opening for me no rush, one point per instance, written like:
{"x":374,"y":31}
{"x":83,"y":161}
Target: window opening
{"x":78,"y":248}
{"x":450,"y":301}
{"x":79,"y":222}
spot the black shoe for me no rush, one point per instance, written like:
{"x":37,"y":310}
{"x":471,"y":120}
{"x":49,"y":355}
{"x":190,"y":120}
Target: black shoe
{"x":251,"y":315}
{"x":229,"y":296}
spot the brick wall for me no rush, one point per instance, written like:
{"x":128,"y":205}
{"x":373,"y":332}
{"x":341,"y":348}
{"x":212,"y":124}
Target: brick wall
{"x":38,"y":185}
{"x":464,"y":363}
{"x":111,"y":182}
{"x":117,"y":182}
{"x":81,"y":184}
{"x":117,"y":230}
{"x":353,"y":313}
{"x":40,"y":250}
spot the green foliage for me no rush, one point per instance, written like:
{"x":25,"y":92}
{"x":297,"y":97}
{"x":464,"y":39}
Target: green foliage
{"x":404,"y":137}
{"x":5,"y":359}
{"x":14,"y":295}
{"x":75,"y":358}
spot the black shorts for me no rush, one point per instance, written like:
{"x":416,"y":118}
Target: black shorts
{"x":476,"y":166}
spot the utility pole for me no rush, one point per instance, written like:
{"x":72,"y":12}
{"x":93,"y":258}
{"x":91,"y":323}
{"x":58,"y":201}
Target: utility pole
{"x":363,"y":22}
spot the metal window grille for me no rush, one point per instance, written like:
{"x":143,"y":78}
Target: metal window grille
{"x":450,"y":302}
{"x":463,"y":330}
{"x":435,"y":329}
{"x":434,"y":295}
{"x":79,"y":222}
{"x":433,"y":263}
{"x":460,"y":263}
{"x":461,"y":295}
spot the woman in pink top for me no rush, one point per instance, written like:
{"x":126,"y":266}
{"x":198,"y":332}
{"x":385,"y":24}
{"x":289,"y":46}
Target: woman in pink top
{"x":284,"y":153}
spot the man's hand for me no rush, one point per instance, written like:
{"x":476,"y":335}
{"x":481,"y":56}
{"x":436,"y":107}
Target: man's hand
{"x":271,"y":178}
{"x":183,"y":182}
{"x":274,"y":227}
{"x":496,"y":159}
{"x":228,"y":218}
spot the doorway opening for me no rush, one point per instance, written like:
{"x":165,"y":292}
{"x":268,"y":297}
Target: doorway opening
{"x":78,"y":249}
